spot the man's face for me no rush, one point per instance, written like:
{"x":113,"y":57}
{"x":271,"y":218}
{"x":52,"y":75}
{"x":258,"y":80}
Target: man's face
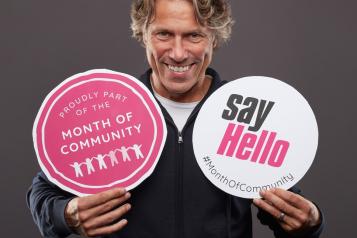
{"x":179,"y":51}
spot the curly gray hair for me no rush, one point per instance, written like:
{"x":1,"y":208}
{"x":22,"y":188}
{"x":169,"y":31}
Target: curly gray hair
{"x":214,"y":14}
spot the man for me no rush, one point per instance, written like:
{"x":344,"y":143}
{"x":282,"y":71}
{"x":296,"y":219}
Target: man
{"x":176,"y":200}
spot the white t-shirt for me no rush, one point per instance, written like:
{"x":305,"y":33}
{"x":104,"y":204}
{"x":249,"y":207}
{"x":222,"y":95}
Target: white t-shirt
{"x":179,"y":111}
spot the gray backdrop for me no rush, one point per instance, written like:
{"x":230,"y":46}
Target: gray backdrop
{"x":310,"y":44}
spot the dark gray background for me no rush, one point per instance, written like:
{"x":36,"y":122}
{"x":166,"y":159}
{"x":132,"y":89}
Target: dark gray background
{"x":310,"y":44}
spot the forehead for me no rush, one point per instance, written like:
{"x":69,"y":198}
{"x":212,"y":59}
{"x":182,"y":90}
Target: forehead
{"x":174,"y":15}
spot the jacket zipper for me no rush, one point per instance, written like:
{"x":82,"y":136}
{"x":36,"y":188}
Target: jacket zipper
{"x":179,"y":206}
{"x":180,"y":138}
{"x":179,"y":233}
{"x":179,"y":229}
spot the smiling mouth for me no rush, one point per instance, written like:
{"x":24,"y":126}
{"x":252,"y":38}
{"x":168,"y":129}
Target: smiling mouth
{"x":179,"y":69}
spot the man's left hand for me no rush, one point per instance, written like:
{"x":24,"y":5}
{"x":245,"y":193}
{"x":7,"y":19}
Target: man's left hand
{"x":294,"y":213}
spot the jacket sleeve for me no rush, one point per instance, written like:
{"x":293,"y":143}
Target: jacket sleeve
{"x":47,"y":203}
{"x":267,"y":219}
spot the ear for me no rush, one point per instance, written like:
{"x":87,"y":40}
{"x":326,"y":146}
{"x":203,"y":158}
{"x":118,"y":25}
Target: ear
{"x":145,"y":38}
{"x":144,"y":41}
{"x":215,"y":43}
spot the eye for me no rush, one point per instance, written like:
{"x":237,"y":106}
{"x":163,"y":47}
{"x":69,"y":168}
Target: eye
{"x":195,"y":37}
{"x":163,"y":35}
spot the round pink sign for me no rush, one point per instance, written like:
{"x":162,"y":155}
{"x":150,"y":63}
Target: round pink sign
{"x":97,"y":130}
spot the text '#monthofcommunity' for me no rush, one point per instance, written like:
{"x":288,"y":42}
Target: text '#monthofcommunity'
{"x":234,"y":184}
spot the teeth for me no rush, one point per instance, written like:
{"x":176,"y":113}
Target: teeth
{"x":179,"y":69}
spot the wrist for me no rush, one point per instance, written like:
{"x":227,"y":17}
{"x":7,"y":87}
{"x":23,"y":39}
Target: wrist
{"x":316,"y":216}
{"x":71,"y":214}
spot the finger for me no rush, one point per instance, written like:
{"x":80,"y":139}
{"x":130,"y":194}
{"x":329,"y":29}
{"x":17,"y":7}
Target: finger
{"x":286,"y":227}
{"x":294,"y":199}
{"x":267,"y":207}
{"x":281,"y":205}
{"x":275,"y":212}
{"x":103,"y":197}
{"x":107,"y":218}
{"x":308,"y":213}
{"x":297,"y":201}
{"x":108,"y":229}
{"x":103,"y":208}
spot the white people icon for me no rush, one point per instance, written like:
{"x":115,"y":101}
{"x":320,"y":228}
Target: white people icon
{"x":113,"y":158}
{"x":137,"y":150}
{"x":101,"y":162}
{"x":101,"y":159}
{"x":125,"y":154}
{"x":77,"y":169}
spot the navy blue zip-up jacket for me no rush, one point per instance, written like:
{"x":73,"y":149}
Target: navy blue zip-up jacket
{"x":176,"y":201}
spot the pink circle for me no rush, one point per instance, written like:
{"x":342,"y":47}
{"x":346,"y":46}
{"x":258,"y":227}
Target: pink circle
{"x":98,"y":130}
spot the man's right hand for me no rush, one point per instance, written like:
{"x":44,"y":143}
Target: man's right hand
{"x":98,"y":214}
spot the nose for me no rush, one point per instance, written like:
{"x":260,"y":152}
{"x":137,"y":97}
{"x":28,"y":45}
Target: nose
{"x":178,"y":52}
